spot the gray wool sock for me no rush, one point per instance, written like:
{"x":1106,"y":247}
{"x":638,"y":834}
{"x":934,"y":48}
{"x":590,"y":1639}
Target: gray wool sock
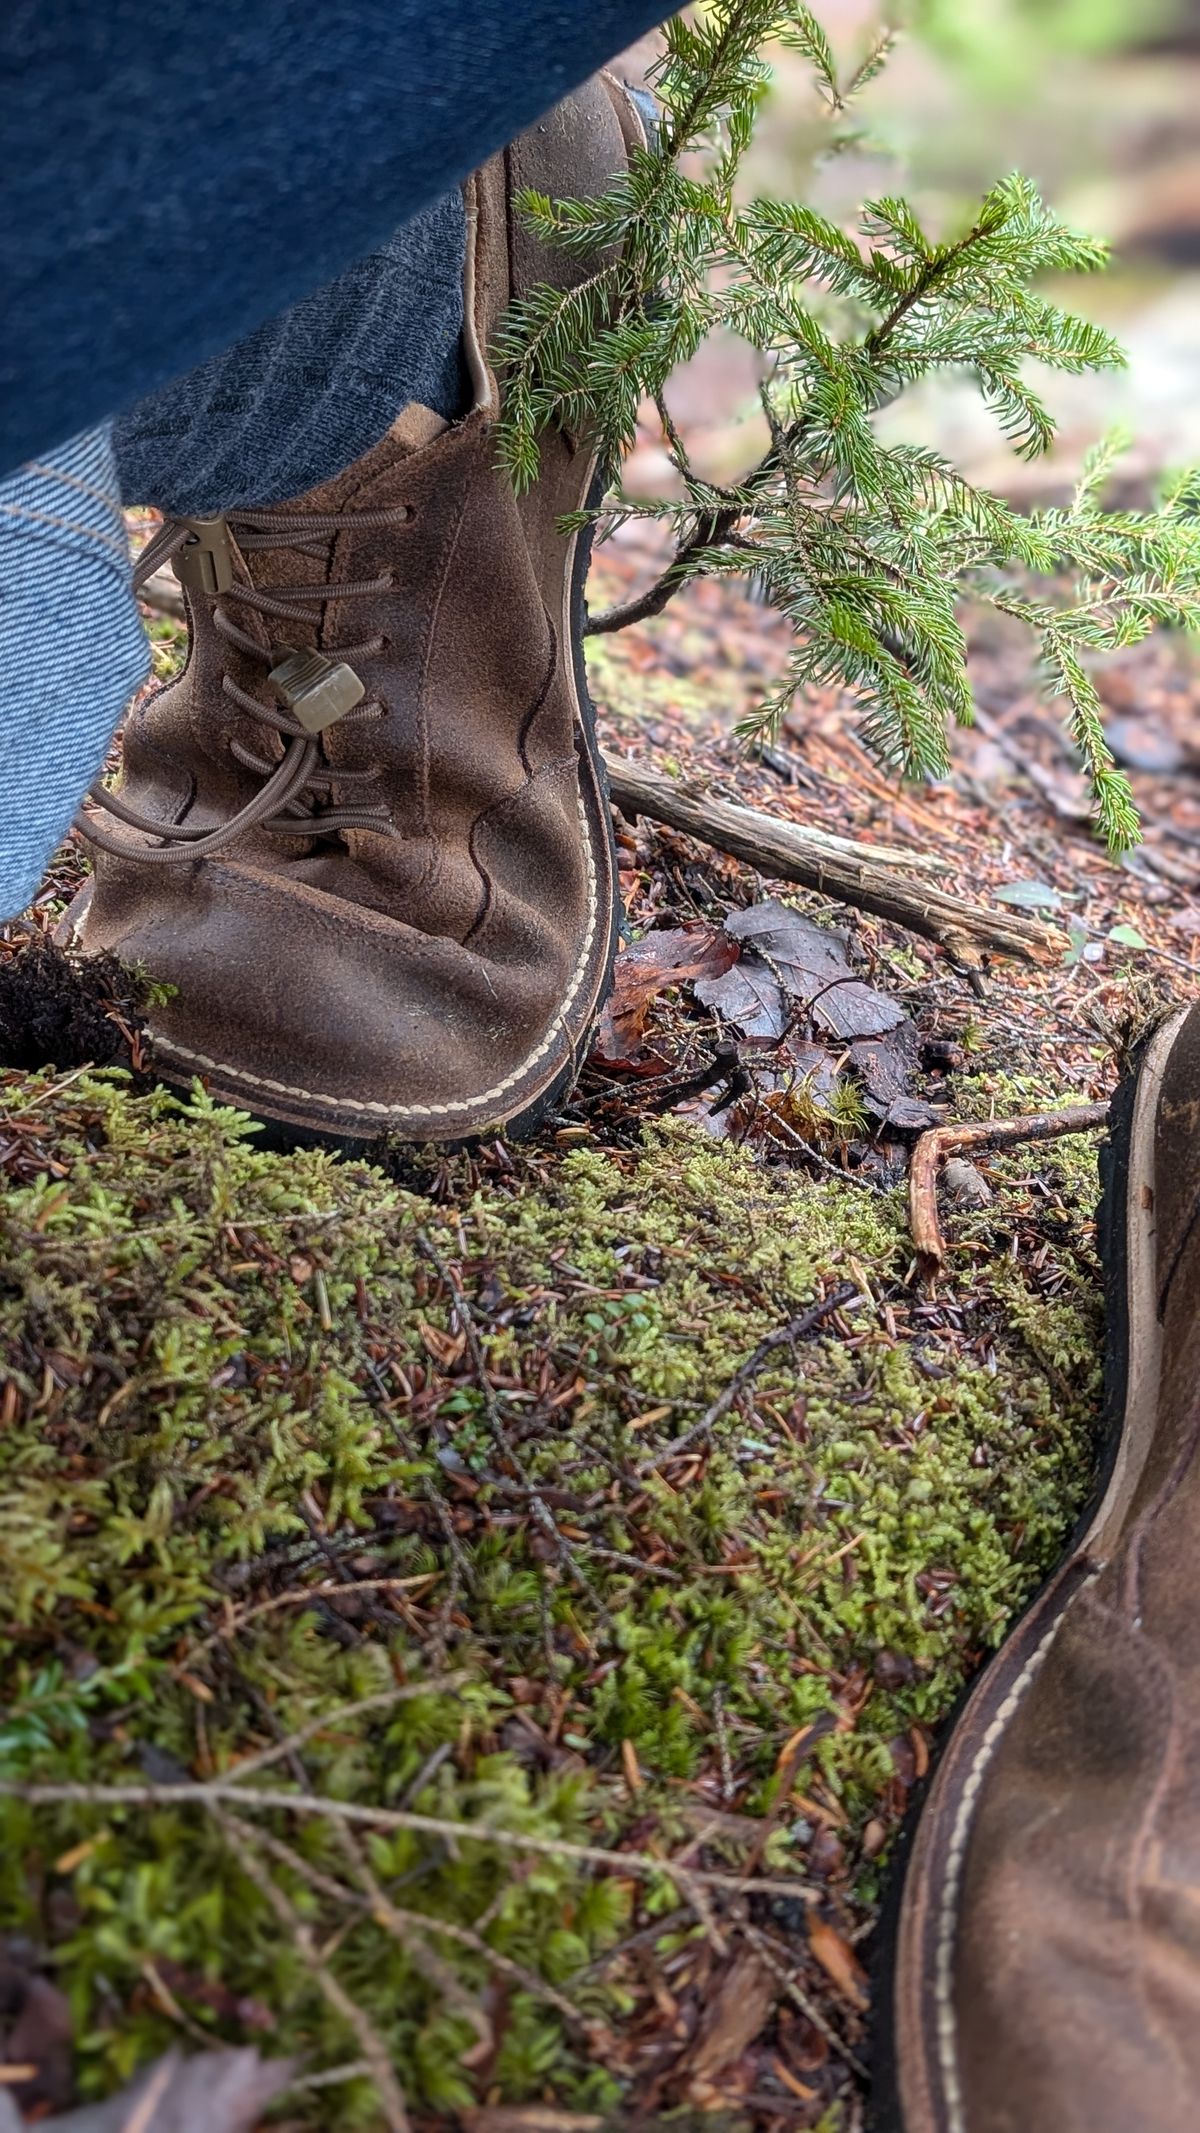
{"x":307,"y":395}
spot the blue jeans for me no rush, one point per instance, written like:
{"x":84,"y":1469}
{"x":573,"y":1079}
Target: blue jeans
{"x":172,"y":180}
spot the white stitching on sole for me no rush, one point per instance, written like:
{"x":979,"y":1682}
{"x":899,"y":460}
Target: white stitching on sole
{"x":943,"y":1984}
{"x":403,"y":1111}
{"x":1119,"y":1486}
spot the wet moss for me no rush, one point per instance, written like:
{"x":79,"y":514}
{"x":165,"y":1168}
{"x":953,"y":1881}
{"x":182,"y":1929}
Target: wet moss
{"x":231,"y":1376}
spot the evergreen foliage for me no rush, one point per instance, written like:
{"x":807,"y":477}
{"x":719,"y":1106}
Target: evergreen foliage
{"x":869,"y":549}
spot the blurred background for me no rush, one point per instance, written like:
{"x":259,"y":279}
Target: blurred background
{"x":1096,"y":100}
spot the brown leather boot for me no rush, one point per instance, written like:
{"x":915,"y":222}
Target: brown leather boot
{"x":365,"y":836}
{"x":1048,"y":1971}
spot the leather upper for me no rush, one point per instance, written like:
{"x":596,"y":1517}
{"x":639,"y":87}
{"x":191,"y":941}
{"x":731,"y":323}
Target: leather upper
{"x":434,"y":980}
{"x":1071,"y":1990}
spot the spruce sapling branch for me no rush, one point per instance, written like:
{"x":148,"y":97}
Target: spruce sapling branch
{"x":869,"y":549}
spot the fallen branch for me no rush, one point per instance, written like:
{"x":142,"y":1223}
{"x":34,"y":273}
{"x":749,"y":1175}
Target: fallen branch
{"x":933,"y":1148}
{"x":815,"y":844}
{"x":788,"y":852}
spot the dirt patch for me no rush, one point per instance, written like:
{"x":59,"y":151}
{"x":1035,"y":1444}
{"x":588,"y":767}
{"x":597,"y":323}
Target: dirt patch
{"x":57,"y":1011}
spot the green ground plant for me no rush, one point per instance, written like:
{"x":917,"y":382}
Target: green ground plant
{"x":869,"y":549}
{"x":252,"y":1472}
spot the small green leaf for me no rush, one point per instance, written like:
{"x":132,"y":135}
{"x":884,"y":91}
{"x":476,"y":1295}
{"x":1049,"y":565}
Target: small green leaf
{"x":1030,"y":895}
{"x":1076,"y":953}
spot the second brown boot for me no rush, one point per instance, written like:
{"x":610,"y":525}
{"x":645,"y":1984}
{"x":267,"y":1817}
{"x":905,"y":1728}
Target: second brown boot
{"x":363,"y":844}
{"x":1048,"y":1967}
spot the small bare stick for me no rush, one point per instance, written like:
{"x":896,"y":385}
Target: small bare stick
{"x":379,"y":1700}
{"x":933,"y":1148}
{"x":537,"y":1503}
{"x":787,"y":852}
{"x":370,"y":2043}
{"x":404,"y":1926}
{"x":217,"y":1793}
{"x":784,"y":1337}
{"x":785,"y":1973}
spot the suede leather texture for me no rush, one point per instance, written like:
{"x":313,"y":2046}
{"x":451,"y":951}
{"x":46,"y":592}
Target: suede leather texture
{"x":1076,"y":1979}
{"x":433,"y":984}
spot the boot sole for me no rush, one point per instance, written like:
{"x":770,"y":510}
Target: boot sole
{"x":916,"y":2087}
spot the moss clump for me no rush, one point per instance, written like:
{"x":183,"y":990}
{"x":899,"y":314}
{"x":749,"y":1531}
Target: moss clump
{"x":256,"y":1464}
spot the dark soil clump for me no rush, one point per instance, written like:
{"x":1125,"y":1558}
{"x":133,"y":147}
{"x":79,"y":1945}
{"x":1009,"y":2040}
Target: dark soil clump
{"x":61,"y":1013}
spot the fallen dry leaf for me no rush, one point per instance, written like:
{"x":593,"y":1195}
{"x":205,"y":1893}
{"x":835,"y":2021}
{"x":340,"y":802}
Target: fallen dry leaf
{"x":35,"y":2031}
{"x":838,"y":1961}
{"x":647,"y":967}
{"x":749,"y":997}
{"x":812,"y":964}
{"x":215,"y":2092}
{"x":733,"y":2016}
{"x":885,"y":1067}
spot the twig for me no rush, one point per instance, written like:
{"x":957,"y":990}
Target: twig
{"x":646,"y":1936}
{"x":713,"y":530}
{"x":333,"y":2076}
{"x":783,"y":1337}
{"x":393,"y":1917}
{"x":727,"y":1785}
{"x":374,"y":2051}
{"x":786,"y":1977}
{"x":537,"y":1503}
{"x":932,"y":1149}
{"x":528,"y":1980}
{"x":372,"y":1901}
{"x":787,"y":852}
{"x":380,"y":1700}
{"x":635,"y":1563}
{"x":170,"y":2005}
{"x":304,"y":1596}
{"x":777,"y":1123}
{"x":400,"y":1925}
{"x":216,"y":1793}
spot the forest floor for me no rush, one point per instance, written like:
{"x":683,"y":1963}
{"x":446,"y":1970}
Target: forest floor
{"x":497,"y":1608}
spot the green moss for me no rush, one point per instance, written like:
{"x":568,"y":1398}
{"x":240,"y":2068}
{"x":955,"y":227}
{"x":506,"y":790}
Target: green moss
{"x":234,"y":1375}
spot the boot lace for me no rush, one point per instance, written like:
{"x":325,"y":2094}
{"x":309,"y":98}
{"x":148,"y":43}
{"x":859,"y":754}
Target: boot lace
{"x":296,"y":797}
